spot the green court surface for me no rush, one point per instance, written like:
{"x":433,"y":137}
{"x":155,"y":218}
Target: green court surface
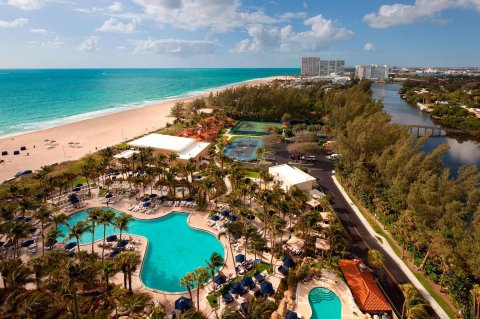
{"x":253,"y":127}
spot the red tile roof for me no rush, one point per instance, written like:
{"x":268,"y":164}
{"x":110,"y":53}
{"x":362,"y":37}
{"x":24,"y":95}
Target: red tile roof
{"x":367,"y":294}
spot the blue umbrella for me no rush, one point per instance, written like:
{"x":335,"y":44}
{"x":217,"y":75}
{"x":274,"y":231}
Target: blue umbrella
{"x":228,"y":298}
{"x":259,"y":277}
{"x":232,"y":218}
{"x":73,"y":199}
{"x":248,"y":282}
{"x":189,"y":199}
{"x":219,"y":279}
{"x":146,"y":204}
{"x":71,"y":254}
{"x":122,"y":243}
{"x":111,"y":238}
{"x":33,"y":229}
{"x":215,"y":217}
{"x":27,"y":243}
{"x":291,"y":315}
{"x":243,"y":308}
{"x":240,"y":258}
{"x":146,"y":199}
{"x":114,"y":253}
{"x":19,"y":218}
{"x":288,"y":262}
{"x":109,"y":195}
{"x":27,"y":219}
{"x":183,"y":303}
{"x":237,"y":289}
{"x":283,"y":270}
{"x":152,"y":195}
{"x":79,"y":185}
{"x":70,"y":245}
{"x":266,"y":288}
{"x":225,"y":213}
{"x":163,"y":197}
{"x":76,"y":189}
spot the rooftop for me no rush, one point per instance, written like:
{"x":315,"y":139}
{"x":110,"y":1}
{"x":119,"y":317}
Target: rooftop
{"x":363,"y":286}
{"x":126,"y":154}
{"x":290,"y":175}
{"x":193,"y":150}
{"x":163,"y":142}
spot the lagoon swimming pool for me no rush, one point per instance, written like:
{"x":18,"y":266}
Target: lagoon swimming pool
{"x":174,"y":248}
{"x":325,"y":304}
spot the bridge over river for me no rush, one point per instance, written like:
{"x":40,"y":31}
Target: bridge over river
{"x":432,"y":131}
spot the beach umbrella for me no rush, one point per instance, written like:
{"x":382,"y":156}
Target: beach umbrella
{"x":146,"y":204}
{"x":247,"y":282}
{"x":227,"y":298}
{"x":237,"y":289}
{"x":19,"y":219}
{"x":215,"y":218}
{"x":145,"y":199}
{"x":70,"y":245}
{"x":183,"y":303}
{"x":225,"y":213}
{"x":259,"y":277}
{"x":27,"y":219}
{"x":109,"y":195}
{"x":76,"y":189}
{"x":291,"y":315}
{"x":27,"y":243}
{"x":122,"y":243}
{"x":111,"y":238}
{"x":163,"y":197}
{"x":114,"y":253}
{"x":288,"y":262}
{"x":232,"y":218}
{"x":152,"y":195}
{"x":266,"y":288}
{"x":219,"y":279}
{"x":244,"y":308}
{"x":283,"y":270}
{"x":71,"y":254}
{"x":240,"y":258}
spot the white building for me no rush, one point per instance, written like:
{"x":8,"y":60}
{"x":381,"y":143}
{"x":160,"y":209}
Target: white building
{"x":328,"y":67}
{"x":310,"y":66}
{"x":288,"y":176}
{"x":372,"y":72}
{"x":185,"y":148}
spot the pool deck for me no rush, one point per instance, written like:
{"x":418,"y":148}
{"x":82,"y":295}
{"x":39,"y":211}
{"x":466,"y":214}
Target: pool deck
{"x":331,"y":281}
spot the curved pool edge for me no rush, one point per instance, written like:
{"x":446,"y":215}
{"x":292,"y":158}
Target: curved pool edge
{"x":142,"y":284}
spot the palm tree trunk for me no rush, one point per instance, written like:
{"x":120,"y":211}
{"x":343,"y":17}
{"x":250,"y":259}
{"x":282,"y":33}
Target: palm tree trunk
{"x":93,"y":235}
{"x":75,"y":303}
{"x":130,"y":280}
{"x":43,"y":239}
{"x":198,"y":295}
{"x":103,"y":246}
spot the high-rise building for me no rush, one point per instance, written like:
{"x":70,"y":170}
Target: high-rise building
{"x":313,"y":66}
{"x":372,"y":71}
{"x":310,"y":66}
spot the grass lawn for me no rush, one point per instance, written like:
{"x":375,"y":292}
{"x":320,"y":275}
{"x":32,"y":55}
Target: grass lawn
{"x":236,"y":137}
{"x":251,"y":174}
{"x":80,"y":180}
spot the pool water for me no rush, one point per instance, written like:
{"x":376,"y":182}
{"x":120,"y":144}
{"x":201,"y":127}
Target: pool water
{"x":174,"y":248}
{"x":324,"y":304}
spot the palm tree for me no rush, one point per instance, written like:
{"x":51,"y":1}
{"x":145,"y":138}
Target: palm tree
{"x":132,"y":259}
{"x":7,"y":266}
{"x":59,"y":219}
{"x":121,"y":222}
{"x":188,"y":281}
{"x":105,"y":219}
{"x":193,"y":314}
{"x":93,"y":216}
{"x":232,"y":229}
{"x":276,"y":226}
{"x":42,"y":214}
{"x":414,"y":306}
{"x":375,"y":258}
{"x":108,"y":270}
{"x":15,"y":232}
{"x":213,"y":263}
{"x":475,"y":292}
{"x":256,"y":309}
{"x":248,"y":232}
{"x":76,"y":231}
{"x":201,"y":277}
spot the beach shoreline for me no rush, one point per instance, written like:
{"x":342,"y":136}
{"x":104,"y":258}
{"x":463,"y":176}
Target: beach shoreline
{"x":75,"y":139}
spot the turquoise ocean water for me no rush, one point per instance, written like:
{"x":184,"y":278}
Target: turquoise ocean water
{"x":35,"y":99}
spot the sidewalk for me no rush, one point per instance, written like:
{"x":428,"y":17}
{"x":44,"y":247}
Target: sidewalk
{"x":388,"y":249}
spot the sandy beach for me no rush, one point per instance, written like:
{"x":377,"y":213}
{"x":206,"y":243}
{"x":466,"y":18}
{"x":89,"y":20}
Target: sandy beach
{"x":74,"y":140}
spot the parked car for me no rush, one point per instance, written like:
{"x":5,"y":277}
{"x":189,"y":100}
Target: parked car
{"x":333,"y":157}
{"x":25,"y":172}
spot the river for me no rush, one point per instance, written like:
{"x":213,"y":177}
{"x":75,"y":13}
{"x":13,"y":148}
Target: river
{"x":463,"y":151}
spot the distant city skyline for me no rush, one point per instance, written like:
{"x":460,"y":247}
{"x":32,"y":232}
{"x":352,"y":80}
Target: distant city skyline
{"x":234,"y":33}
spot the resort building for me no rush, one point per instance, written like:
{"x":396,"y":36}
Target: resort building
{"x":288,"y":176}
{"x":185,"y":148}
{"x":310,"y":66}
{"x":365,"y":290}
{"x":372,"y":72}
{"x":314,"y":66}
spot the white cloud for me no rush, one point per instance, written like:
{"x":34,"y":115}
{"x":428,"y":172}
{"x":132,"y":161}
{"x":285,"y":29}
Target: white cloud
{"x":39,"y":31}
{"x":116,"y":7}
{"x":27,"y":4}
{"x":121,"y":47}
{"x":218,"y":15}
{"x":397,"y":14}
{"x":113,"y":25}
{"x":175,"y":46}
{"x":90,"y":44}
{"x":292,"y":15}
{"x":13,"y":24}
{"x":369,"y":46}
{"x":321,"y":35}
{"x":54,"y":44}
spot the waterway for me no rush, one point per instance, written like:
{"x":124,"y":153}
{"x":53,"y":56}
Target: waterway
{"x":463,"y":151}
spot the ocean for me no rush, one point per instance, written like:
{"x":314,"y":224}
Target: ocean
{"x":31,"y":100}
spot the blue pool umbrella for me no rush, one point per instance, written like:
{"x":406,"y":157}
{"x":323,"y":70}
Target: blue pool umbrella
{"x":288,"y":262}
{"x":27,"y":219}
{"x":163,"y":197}
{"x":259,"y":277}
{"x":33,"y":229}
{"x":266,"y":288}
{"x":219,"y":279}
{"x":228,"y":298}
{"x":122,"y":243}
{"x":152,"y":195}
{"x":244,"y":308}
{"x":232,"y":218}
{"x":147,"y":204}
{"x":76,"y":189}
{"x":225,"y":213}
{"x":109,"y":195}
{"x":111,"y":238}
{"x":71,"y":254}
{"x":291,"y":315}
{"x":240,"y":258}
{"x":114,"y":253}
{"x":247,"y":282}
{"x":283,"y":270}
{"x":237,"y":289}
{"x":27,"y":243}
{"x":70,"y":245}
{"x":146,"y":199}
{"x":19,"y":218}
{"x":215,"y":217}
{"x":189,"y":199}
{"x":79,"y":185}
{"x":72,"y":198}
{"x":183,"y":303}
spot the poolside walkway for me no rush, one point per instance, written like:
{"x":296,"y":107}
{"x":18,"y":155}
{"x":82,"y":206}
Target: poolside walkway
{"x":331,"y":281}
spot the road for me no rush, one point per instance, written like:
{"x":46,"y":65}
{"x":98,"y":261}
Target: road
{"x":391,"y":275}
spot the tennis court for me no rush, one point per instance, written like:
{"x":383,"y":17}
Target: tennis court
{"x":253,"y":128}
{"x":244,"y":149}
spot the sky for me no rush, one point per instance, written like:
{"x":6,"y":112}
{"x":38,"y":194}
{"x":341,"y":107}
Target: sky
{"x":237,"y":33}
